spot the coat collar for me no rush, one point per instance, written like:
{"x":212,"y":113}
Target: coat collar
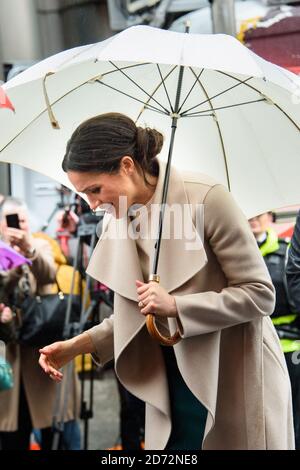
{"x":115,"y":260}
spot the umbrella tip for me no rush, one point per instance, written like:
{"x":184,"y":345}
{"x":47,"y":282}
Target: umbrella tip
{"x":187,"y":25}
{"x":55,"y":124}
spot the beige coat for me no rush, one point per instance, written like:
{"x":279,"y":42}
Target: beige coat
{"x":39,"y":388}
{"x":229,"y":355}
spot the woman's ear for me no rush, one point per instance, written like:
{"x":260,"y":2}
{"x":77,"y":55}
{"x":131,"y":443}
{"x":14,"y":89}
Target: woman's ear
{"x":127,"y":165}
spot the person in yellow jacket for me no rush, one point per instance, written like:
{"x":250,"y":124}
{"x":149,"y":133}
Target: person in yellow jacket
{"x":286,"y":321}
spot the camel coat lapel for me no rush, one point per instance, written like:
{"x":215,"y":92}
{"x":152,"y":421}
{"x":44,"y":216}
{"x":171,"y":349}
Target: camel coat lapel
{"x":116,"y":252}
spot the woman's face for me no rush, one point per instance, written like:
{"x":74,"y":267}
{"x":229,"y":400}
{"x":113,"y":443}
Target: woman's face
{"x":104,"y":190}
{"x":260,"y":224}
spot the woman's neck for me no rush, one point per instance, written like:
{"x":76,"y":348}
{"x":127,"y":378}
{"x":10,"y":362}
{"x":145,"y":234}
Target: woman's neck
{"x":147,"y":190}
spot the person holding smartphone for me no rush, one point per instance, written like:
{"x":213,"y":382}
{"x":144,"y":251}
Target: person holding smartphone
{"x":29,"y":404}
{"x":16,"y":230}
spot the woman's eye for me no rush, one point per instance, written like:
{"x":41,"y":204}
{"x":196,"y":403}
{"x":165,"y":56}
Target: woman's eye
{"x":95,"y":190}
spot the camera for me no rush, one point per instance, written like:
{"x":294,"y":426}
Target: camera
{"x":12,"y":221}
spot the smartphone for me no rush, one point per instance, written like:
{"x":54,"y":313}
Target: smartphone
{"x":12,"y":220}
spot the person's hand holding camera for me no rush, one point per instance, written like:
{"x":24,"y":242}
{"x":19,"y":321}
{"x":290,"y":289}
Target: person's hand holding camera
{"x":67,"y":220}
{"x":20,"y":240}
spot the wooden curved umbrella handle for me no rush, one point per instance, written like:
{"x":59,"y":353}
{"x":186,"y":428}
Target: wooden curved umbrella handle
{"x":152,"y":328}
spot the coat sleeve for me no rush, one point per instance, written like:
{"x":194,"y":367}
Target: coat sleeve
{"x":102,"y":337}
{"x":249,"y":293}
{"x":293,"y":268}
{"x":43,"y":265}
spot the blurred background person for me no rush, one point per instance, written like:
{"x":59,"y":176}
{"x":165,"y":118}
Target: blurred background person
{"x":285,"y":318}
{"x":293,"y":282}
{"x":5,"y":314}
{"x":67,"y":222}
{"x":6,"y":318}
{"x":29,"y":404}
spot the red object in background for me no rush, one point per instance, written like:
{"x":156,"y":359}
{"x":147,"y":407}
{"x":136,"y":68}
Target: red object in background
{"x":286,"y":232}
{"x":5,"y":101}
{"x":276,"y":37}
{"x":295,"y":70}
{"x":63,"y":237}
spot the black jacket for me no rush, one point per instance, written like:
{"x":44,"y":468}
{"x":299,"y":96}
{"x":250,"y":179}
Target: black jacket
{"x":293,"y":268}
{"x":276,"y":262}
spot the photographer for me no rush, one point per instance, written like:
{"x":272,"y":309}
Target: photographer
{"x":293,"y":281}
{"x":30,"y":402}
{"x":6,"y":317}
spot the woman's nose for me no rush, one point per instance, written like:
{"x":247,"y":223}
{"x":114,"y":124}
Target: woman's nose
{"x":93,"y":203}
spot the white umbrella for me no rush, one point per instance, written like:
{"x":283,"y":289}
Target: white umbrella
{"x":238,"y":116}
{"x":252,"y":148}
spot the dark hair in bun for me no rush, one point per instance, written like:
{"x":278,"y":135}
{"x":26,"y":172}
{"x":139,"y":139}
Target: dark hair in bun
{"x":100,"y":143}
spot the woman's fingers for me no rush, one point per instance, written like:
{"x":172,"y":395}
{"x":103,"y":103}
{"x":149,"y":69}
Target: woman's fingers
{"x":144,"y":297}
{"x":54,"y":374}
{"x":151,"y":291}
{"x":143,"y":302}
{"x":141,"y":287}
{"x":51,"y":349}
{"x":148,"y":309}
{"x":47,"y":350}
{"x":56,"y":378}
{"x":43,"y":363}
{"x":50,"y":368}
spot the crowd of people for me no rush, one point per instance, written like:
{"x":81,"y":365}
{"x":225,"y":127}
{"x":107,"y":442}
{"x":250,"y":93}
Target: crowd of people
{"x":23,"y":415}
{"x":21,"y":408}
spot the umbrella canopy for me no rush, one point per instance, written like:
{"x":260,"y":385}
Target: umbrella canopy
{"x":238,"y":115}
{"x":9,"y":258}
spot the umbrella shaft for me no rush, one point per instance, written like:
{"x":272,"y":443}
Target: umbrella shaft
{"x":175,"y":117}
{"x":164,"y":196}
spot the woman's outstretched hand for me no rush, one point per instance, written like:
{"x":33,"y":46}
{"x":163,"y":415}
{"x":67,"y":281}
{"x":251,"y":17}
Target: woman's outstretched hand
{"x":58,"y":354}
{"x":154,"y":299}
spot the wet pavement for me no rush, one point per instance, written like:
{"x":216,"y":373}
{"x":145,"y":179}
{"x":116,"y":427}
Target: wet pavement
{"x":104,"y":427}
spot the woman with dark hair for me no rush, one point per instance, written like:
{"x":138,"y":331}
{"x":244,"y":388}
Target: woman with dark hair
{"x":224,"y":385}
